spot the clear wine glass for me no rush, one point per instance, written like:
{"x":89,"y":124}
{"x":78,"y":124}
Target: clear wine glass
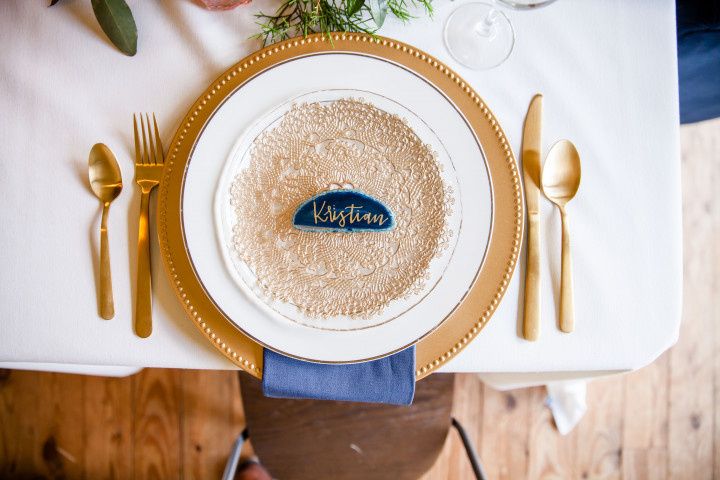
{"x":480,"y":36}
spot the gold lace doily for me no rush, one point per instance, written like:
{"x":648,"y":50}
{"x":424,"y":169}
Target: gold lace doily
{"x":346,"y":143}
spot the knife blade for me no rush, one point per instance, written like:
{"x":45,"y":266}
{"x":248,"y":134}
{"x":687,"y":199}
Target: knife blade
{"x":531,"y":147}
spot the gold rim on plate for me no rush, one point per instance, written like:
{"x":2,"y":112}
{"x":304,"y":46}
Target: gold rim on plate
{"x":508,"y":215}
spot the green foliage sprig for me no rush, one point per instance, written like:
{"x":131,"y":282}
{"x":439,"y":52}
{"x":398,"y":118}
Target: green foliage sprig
{"x":302,"y":17}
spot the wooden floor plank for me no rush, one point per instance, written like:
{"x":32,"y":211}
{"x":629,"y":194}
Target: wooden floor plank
{"x":58,"y":423}
{"x":108,"y":405}
{"x":704,"y":141}
{"x":157,"y":446}
{"x":646,"y":406}
{"x":645,"y":464}
{"x":550,"y":454}
{"x":691,"y":408}
{"x":468,"y":410}
{"x":645,"y":426}
{"x":20,"y":455}
{"x":211,"y":419}
{"x":505,"y":433}
{"x":598,"y":437}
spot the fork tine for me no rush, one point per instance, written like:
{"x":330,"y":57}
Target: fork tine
{"x":138,"y":158}
{"x":153,"y":156}
{"x":146,"y":158}
{"x":160,"y":150}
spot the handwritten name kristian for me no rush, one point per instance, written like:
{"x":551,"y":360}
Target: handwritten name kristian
{"x":349,"y":215}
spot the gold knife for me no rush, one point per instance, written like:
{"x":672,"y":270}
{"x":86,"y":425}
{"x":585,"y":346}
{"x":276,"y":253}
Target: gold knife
{"x":531,"y":146}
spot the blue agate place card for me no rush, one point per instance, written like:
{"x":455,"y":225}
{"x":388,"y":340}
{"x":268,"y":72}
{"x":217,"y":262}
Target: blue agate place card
{"x":343,"y":210}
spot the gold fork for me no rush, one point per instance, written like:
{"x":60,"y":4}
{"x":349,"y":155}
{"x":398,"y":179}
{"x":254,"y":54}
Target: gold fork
{"x":148,"y":171}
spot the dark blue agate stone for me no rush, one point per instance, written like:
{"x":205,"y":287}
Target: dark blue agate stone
{"x":343,"y":210}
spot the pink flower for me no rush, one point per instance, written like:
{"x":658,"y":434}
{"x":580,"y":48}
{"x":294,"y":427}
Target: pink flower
{"x":222,"y":4}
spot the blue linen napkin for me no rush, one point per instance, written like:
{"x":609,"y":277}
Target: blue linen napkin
{"x":387,"y":380}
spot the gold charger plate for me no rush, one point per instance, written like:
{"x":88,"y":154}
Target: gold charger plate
{"x":489,"y":286}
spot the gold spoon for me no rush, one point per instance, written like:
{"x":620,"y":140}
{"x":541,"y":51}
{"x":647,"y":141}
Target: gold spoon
{"x":106,"y":184}
{"x":560,"y":182}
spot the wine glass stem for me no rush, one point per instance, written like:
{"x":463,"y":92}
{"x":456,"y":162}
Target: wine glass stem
{"x":487,"y":27}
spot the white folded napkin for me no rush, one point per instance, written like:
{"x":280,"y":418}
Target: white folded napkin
{"x":566,"y":401}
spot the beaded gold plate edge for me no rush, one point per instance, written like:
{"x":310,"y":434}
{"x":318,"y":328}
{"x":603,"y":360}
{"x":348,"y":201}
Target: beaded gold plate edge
{"x":484,"y":295}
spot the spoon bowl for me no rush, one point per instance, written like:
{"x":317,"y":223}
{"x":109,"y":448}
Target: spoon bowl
{"x":561,"y":173}
{"x":104,"y":173}
{"x":106,"y":183}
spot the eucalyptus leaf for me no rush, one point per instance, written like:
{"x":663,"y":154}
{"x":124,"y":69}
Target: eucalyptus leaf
{"x":378,"y":11}
{"x":116,"y":20}
{"x":353,"y":6}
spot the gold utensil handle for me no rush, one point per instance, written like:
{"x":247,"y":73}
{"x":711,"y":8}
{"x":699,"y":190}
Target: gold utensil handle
{"x":107,"y":307}
{"x":143,"y":299}
{"x":567,"y":308}
{"x":531,"y":309}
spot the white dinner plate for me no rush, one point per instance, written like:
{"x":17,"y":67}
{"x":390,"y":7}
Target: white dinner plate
{"x":222,"y":144}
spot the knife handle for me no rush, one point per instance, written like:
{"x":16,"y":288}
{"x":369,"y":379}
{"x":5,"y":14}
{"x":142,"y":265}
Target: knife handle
{"x":531,"y":309}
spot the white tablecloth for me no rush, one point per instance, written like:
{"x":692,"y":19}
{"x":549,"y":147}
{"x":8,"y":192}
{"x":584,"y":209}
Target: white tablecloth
{"x":608,"y":73}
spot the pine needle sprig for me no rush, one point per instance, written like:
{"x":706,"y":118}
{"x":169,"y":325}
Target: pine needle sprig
{"x":303,"y":17}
